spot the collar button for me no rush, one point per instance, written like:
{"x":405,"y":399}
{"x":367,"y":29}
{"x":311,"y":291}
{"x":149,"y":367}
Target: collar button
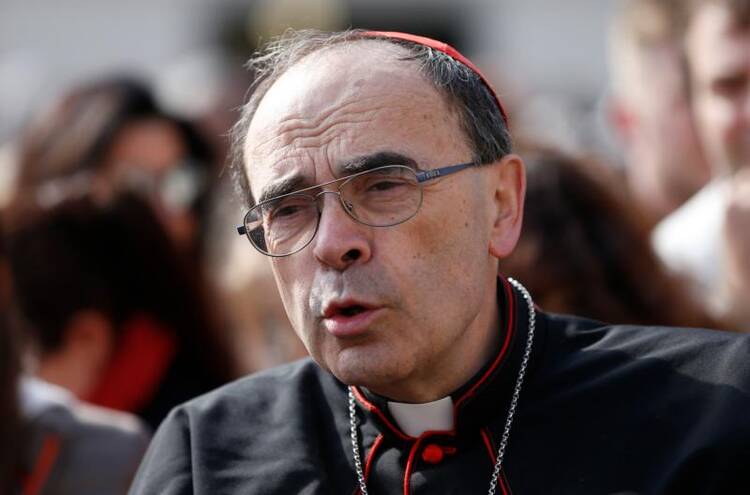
{"x":433,"y":454}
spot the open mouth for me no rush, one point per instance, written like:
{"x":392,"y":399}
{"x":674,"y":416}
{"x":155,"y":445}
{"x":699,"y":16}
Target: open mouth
{"x":350,"y":318}
{"x":346,"y":309}
{"x":351,"y":310}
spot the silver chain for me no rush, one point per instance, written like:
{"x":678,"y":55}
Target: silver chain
{"x":511,"y":409}
{"x":355,"y":443}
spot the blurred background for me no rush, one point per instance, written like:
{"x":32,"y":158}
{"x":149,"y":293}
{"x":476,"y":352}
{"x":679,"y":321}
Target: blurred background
{"x":190,"y":49}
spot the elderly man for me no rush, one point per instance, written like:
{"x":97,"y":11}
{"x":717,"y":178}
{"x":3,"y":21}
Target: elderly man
{"x":385,"y":193}
{"x":717,"y":254}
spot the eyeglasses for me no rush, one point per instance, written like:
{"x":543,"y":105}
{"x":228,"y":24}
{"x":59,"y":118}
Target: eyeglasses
{"x":381,"y":197}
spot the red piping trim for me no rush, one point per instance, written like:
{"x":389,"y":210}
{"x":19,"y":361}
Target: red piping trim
{"x":504,"y":486}
{"x":488,"y":443}
{"x":510,"y":325}
{"x":374,"y":409}
{"x":43,"y":466}
{"x":448,"y":50}
{"x":371,"y":455}
{"x":487,"y":437}
{"x":410,"y":464}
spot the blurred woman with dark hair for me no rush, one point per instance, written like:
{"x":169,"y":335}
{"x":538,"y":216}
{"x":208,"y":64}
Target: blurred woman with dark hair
{"x":51,"y":443}
{"x":9,"y":371}
{"x":116,"y":316}
{"x":111,"y":135}
{"x":585,"y":248}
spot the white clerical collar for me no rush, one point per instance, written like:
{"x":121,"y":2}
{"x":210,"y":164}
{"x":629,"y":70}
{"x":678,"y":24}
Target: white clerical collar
{"x":415,"y":419}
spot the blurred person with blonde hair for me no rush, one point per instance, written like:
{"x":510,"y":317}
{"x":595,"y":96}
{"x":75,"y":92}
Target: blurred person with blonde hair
{"x":650,"y":108}
{"x":709,"y":237}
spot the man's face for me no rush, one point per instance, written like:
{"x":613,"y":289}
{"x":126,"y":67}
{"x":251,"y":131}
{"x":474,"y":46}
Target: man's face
{"x":719,"y":57}
{"x":380,"y":307}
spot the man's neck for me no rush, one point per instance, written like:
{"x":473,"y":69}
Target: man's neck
{"x":478,"y":344}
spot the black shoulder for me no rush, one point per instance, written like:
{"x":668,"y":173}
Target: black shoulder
{"x":213,"y":442}
{"x":166,"y":468}
{"x":713,"y":356}
{"x":291,"y":384}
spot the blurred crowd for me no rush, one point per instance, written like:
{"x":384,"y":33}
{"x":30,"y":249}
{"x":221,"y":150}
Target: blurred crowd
{"x":125,"y":289}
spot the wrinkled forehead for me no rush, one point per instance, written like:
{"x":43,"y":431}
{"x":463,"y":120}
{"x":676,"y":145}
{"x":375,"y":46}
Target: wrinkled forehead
{"x":341,"y":94}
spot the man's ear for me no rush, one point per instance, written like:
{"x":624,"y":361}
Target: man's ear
{"x":622,"y":120}
{"x":89,"y":335}
{"x":508,"y":199}
{"x":87,"y":343}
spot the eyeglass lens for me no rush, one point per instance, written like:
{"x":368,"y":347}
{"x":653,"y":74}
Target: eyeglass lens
{"x":381,"y":197}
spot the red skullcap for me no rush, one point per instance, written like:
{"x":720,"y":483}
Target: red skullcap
{"x":444,"y":48}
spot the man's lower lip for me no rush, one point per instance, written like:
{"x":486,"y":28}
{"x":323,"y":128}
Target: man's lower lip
{"x":350,"y":326}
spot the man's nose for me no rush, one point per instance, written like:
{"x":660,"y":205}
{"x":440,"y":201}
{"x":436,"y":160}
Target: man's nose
{"x":340,"y":241}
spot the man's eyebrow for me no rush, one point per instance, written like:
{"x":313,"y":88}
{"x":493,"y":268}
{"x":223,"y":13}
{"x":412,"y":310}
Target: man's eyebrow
{"x":283,"y":186}
{"x":375,"y":160}
{"x":359,"y":164}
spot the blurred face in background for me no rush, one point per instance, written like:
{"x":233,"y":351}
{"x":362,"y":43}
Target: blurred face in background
{"x":151,"y":156}
{"x":665,"y":164}
{"x":718,"y":53}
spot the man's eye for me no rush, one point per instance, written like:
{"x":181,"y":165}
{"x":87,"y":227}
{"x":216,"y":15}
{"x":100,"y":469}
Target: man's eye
{"x":286,"y":211}
{"x":384,"y":185}
{"x":729,"y":86}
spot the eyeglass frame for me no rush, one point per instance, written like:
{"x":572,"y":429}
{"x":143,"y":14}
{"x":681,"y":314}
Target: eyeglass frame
{"x":422,"y":177}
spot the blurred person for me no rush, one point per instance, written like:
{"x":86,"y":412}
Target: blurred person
{"x":115,"y":315}
{"x":67,"y":446}
{"x":650,"y":108}
{"x":8,"y":172}
{"x":10,"y":415}
{"x":380,"y":182}
{"x":717,"y":46}
{"x":112,"y":134}
{"x":584,"y":248}
{"x":707,"y":238}
{"x":51,"y":443}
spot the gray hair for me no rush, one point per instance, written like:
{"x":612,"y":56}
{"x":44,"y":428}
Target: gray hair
{"x":481,"y":118}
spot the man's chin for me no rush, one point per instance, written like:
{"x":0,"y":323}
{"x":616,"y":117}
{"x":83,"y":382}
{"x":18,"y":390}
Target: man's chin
{"x":370,"y":372}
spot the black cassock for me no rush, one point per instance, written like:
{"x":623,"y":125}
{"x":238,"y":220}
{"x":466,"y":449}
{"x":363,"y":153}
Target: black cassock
{"x":603,"y":410}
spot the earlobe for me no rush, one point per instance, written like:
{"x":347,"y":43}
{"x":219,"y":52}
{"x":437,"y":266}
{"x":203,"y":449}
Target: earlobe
{"x":89,"y":337}
{"x":509,"y":192}
{"x":87,"y":342}
{"x":621,"y":119}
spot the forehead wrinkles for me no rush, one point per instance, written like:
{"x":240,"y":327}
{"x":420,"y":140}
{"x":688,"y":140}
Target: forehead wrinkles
{"x":325,"y":103}
{"x":293,"y":134}
{"x":291,"y":129}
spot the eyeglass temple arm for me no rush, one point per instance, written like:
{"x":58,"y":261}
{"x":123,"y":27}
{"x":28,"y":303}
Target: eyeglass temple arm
{"x":440,"y":172}
{"x":241,"y":230}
